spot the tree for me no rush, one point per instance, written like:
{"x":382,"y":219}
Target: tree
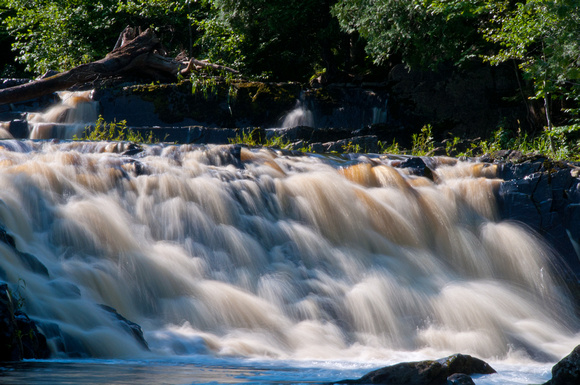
{"x":288,"y":39}
{"x":134,"y":54}
{"x":60,"y":34}
{"x":420,"y":33}
{"x":542,"y":36}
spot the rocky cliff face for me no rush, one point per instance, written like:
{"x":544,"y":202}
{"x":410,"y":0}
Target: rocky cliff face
{"x":545,"y":195}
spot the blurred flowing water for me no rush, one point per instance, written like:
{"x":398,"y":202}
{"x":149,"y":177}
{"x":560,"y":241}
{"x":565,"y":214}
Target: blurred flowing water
{"x":261,"y":266}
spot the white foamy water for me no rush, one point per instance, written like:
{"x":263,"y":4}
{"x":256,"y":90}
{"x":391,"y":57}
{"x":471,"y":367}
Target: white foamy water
{"x":292,"y":261}
{"x":66,"y":119}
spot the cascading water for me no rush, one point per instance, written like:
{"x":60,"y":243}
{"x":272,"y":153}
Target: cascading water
{"x":299,"y":116}
{"x":358,"y":107}
{"x":66,"y":119}
{"x":226,"y":252}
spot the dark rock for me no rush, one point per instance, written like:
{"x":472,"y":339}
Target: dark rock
{"x":66,"y":289}
{"x":18,"y":128}
{"x":459,"y":379}
{"x":33,"y":264}
{"x":543,"y":194}
{"x":6,"y":238}
{"x":29,"y":261}
{"x":571,"y":220}
{"x":63,"y":342}
{"x":178,"y":105}
{"x":463,"y":363}
{"x":292,"y":134}
{"x":425,"y":372}
{"x":356,"y":145}
{"x":317,"y":147}
{"x":32,"y":341}
{"x":19,"y":336}
{"x":131,"y":327}
{"x":416,"y":166}
{"x":132,"y":149}
{"x":567,"y":371}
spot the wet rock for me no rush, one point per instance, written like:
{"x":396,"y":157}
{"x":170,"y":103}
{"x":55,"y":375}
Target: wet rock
{"x":66,"y":289}
{"x":63,"y":343}
{"x":425,"y":372}
{"x":416,"y":166}
{"x":544,"y":195}
{"x":355,"y":144}
{"x":459,"y":379}
{"x":6,"y":238}
{"x":33,"y":343}
{"x":131,"y":327}
{"x":19,"y":336}
{"x":33,"y":264}
{"x":18,"y":128}
{"x":180,"y":104}
{"x":567,"y":371}
{"x":29,"y":261}
{"x":292,"y":134}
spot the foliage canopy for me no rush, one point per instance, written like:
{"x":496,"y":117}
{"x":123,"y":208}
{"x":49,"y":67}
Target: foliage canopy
{"x":294,"y":39}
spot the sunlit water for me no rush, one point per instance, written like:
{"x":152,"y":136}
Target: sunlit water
{"x":257,"y":266}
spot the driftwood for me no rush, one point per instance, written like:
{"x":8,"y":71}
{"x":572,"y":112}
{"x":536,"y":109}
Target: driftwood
{"x":134,"y":53}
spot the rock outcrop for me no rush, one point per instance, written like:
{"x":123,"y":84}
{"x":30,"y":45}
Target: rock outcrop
{"x":19,"y":336}
{"x":439,"y":372}
{"x":130,"y":327}
{"x":567,"y":371}
{"x":544,"y":195}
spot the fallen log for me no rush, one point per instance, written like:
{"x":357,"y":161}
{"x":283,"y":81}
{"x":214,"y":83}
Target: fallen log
{"x":132,"y":54}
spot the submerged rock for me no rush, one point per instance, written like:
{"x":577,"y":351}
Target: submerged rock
{"x":131,"y":327}
{"x":567,"y":371}
{"x":428,"y":372}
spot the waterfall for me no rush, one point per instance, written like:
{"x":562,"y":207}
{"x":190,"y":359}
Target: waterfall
{"x":351,"y":108}
{"x":299,"y":116}
{"x":226,"y":251}
{"x":68,"y":118}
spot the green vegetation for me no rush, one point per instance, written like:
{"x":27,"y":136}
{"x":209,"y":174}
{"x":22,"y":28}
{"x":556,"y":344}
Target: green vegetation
{"x":257,"y":138}
{"x":566,"y":144}
{"x":59,"y":34}
{"x":114,"y":131}
{"x":302,"y":40}
{"x":423,"y":142}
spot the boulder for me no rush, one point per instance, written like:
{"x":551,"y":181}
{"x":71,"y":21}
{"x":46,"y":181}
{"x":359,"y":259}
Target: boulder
{"x":426,"y":372}
{"x":567,"y":371}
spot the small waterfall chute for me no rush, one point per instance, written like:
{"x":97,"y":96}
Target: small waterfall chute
{"x":66,"y":119}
